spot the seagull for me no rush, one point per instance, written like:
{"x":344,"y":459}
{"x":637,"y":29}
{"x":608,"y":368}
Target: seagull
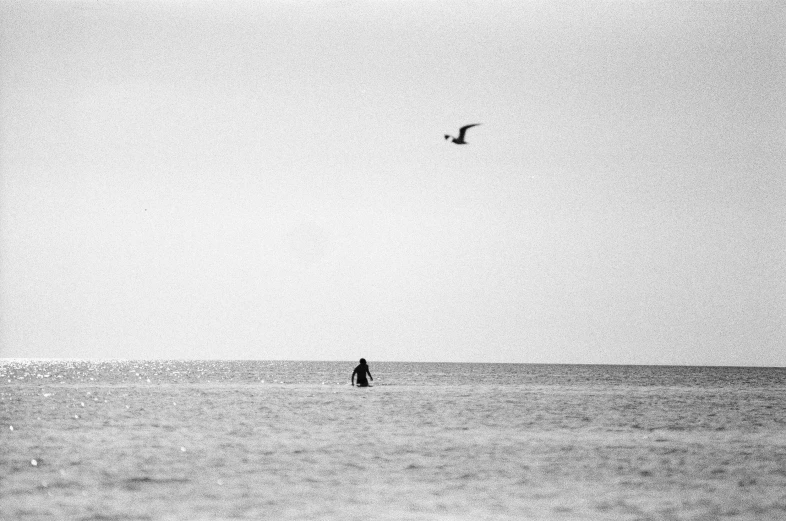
{"x":463,"y":130}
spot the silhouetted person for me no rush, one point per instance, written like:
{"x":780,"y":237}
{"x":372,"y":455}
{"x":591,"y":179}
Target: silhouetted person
{"x":361,"y":371}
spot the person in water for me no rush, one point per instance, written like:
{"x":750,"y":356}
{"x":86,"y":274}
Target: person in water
{"x":361,"y":371}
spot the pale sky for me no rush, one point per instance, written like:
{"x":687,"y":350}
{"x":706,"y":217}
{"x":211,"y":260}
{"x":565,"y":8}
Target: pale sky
{"x":270,"y":181}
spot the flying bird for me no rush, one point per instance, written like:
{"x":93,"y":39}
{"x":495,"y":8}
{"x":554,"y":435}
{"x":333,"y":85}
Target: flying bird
{"x":463,"y":130}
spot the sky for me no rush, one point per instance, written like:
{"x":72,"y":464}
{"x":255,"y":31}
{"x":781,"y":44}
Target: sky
{"x":270,"y":180}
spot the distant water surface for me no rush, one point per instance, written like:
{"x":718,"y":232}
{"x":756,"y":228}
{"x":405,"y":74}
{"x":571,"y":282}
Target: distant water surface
{"x":213,"y":440}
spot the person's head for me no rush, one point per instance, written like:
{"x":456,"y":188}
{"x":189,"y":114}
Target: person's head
{"x":362,"y":361}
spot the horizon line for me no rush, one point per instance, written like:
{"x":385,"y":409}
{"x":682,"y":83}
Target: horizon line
{"x":123,"y":359}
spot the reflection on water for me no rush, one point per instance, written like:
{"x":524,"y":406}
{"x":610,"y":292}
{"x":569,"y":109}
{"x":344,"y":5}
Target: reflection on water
{"x":287,"y":440}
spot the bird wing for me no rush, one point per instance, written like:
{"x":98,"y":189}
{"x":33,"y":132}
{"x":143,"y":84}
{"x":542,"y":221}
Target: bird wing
{"x":463,"y":130}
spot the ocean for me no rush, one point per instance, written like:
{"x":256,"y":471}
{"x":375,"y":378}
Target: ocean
{"x":219,"y":440}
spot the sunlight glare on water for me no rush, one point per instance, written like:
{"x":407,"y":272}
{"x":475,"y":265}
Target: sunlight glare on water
{"x":183,"y":440}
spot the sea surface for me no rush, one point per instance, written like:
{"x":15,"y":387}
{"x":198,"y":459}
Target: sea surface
{"x":216,"y":440}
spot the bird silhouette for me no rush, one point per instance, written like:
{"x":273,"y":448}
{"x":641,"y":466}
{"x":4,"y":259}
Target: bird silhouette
{"x":463,"y":130}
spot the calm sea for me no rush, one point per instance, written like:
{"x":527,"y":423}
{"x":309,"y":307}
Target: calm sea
{"x":214,"y":440}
